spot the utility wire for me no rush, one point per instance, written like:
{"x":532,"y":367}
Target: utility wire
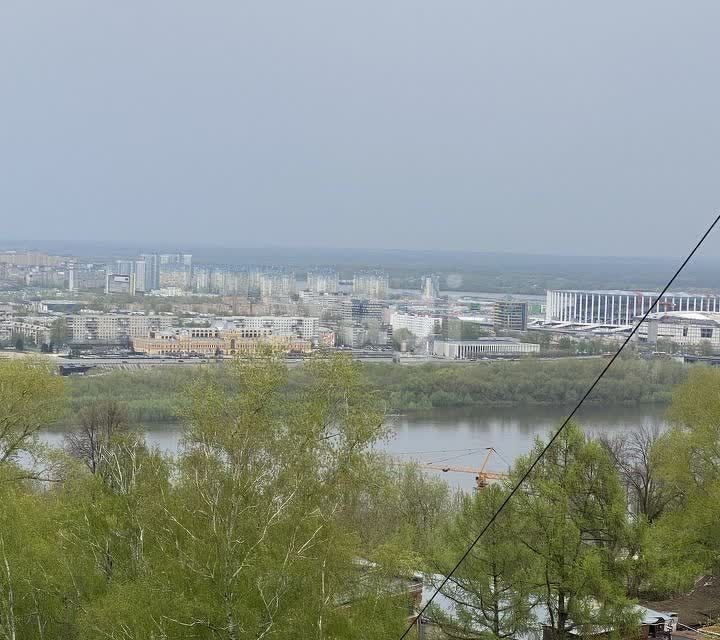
{"x":555,"y":436}
{"x":472,"y":452}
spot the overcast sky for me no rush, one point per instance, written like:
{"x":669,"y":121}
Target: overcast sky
{"x":545,"y":127}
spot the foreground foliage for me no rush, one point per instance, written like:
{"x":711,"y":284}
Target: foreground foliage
{"x":247,"y":534}
{"x":278,"y":519}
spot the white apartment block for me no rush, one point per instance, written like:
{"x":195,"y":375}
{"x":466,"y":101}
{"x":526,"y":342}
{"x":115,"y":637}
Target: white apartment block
{"x":277,"y":285}
{"x":421,"y":326}
{"x":111,"y":327}
{"x":284,"y":326}
{"x":36,"y":329}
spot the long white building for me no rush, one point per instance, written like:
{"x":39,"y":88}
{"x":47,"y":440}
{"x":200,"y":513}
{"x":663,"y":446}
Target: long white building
{"x":482,"y":348}
{"x":619,"y":308}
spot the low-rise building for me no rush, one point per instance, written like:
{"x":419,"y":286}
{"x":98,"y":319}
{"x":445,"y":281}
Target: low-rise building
{"x":482,"y":348}
{"x":687,"y":328}
{"x":214,"y":341}
{"x":36,"y":330}
{"x":326,"y":337}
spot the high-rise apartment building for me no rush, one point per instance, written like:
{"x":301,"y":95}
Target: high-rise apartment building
{"x":175,"y":270}
{"x":323,"y":281}
{"x":430,"y":287}
{"x":139,"y":268}
{"x":277,"y":285}
{"x":372,"y":284}
{"x":122,"y":267}
{"x":152,"y":271}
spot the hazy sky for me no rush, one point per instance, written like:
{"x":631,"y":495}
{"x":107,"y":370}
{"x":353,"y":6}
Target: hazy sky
{"x":554,"y":127}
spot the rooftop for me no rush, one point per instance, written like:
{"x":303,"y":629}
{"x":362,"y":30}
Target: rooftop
{"x":693,"y":316}
{"x":622,"y":292}
{"x":489,"y":340}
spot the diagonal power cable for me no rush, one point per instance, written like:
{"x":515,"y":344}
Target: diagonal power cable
{"x":540,"y":456}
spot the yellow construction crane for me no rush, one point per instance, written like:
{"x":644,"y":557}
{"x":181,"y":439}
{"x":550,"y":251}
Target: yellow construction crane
{"x":482,"y":477}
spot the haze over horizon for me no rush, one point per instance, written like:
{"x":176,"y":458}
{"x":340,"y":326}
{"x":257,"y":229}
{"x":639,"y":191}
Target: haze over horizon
{"x":562,"y":129}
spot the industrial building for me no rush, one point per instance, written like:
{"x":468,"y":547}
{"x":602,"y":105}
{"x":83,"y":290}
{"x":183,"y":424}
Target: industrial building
{"x":482,"y":348}
{"x":619,"y":308}
{"x":509,"y":315}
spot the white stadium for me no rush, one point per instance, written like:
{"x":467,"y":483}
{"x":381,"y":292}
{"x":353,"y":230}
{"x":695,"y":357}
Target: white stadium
{"x":618,"y":308}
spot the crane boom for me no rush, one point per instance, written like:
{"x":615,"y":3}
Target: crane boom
{"x":482,"y":477}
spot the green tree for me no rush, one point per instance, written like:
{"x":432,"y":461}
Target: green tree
{"x":685,"y":542}
{"x":251,"y":540}
{"x":99,"y":422}
{"x":401,"y":503}
{"x":59,"y":332}
{"x":31,"y":397}
{"x":574,"y":525}
{"x":403,"y":336}
{"x":491,"y":589}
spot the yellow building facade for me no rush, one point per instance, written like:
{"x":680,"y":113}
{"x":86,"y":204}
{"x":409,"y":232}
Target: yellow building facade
{"x":211,"y":342}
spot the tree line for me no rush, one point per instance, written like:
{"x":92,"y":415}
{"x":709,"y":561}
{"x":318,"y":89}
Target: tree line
{"x":278,"y":518}
{"x":156,"y":395}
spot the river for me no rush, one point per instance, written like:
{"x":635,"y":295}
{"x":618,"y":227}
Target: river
{"x":445,"y":435}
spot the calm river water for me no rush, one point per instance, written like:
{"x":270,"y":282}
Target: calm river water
{"x":441,"y":434}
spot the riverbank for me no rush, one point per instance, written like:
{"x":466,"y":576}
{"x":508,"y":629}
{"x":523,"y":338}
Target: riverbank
{"x":157,"y":395}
